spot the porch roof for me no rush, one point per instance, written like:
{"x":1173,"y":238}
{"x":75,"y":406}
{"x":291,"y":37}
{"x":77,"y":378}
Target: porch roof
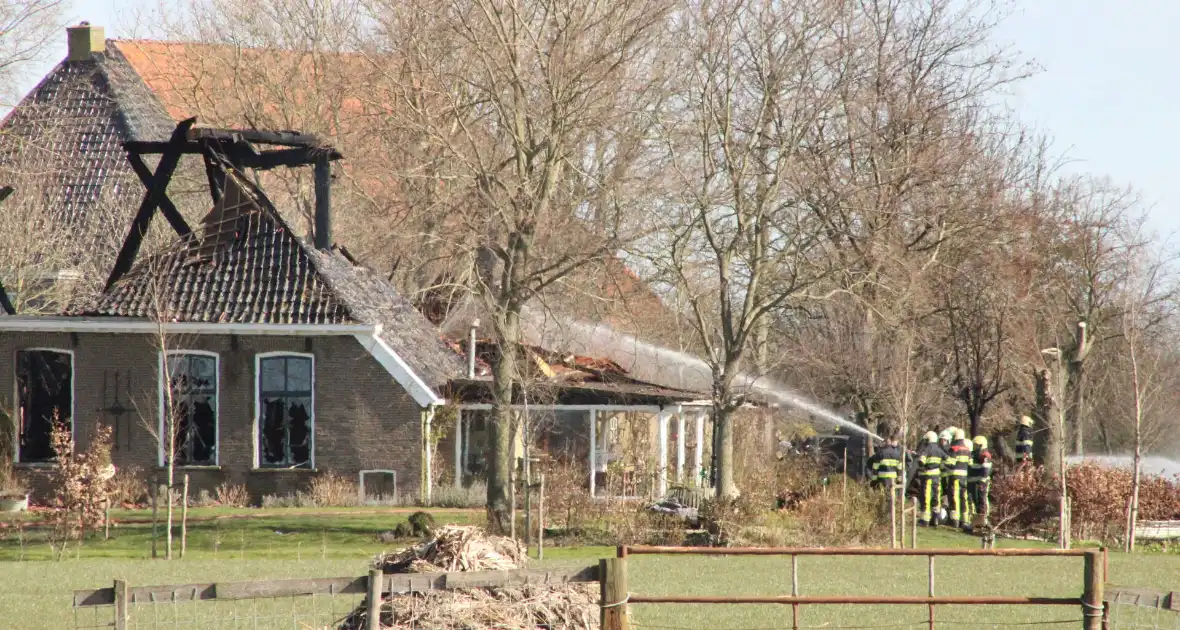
{"x":581,"y":393}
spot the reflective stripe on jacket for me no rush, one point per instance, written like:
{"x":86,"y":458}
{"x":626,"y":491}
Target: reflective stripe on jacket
{"x":887,"y":462}
{"x":981,"y":466}
{"x":930,"y":456}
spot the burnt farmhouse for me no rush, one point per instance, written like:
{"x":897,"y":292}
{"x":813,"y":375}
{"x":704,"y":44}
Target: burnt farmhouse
{"x":239,"y":351}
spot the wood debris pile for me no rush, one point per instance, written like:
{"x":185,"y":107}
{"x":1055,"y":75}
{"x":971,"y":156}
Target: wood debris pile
{"x":453,"y":548}
{"x":456,"y":548}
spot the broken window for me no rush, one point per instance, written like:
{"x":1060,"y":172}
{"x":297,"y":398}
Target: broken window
{"x":191,"y":403}
{"x":44,"y":382}
{"x":285,"y":414}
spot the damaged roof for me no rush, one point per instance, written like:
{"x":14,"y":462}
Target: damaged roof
{"x":71,"y":128}
{"x":247,"y":266}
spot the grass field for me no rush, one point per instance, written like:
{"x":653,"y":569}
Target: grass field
{"x":240,"y":534}
{"x":36,"y":594}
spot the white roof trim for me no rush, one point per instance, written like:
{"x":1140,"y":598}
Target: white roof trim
{"x":519,"y":407}
{"x":123,"y":325}
{"x":398,"y":369}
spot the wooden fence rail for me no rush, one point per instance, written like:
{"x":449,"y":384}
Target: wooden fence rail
{"x":123,"y":597}
{"x":616,"y":598}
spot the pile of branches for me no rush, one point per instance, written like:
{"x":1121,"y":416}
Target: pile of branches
{"x":454,"y":548}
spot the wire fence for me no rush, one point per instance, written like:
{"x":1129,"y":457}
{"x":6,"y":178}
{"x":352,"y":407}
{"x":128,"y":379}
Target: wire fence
{"x":260,"y":613}
{"x":1142,"y":609}
{"x":323,"y":603}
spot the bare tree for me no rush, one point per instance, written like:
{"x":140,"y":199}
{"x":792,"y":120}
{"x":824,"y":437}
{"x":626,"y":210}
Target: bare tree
{"x":26,"y":29}
{"x":530,"y":121}
{"x":737,"y":241}
{"x":1148,"y":358}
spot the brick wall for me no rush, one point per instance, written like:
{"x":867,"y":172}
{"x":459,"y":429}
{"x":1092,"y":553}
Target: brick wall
{"x":363,"y":418}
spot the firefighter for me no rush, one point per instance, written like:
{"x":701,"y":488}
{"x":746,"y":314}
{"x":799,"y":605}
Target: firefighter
{"x":885,"y":467}
{"x":930,"y":456}
{"x":979,"y":476}
{"x":956,"y":463}
{"x":1024,"y":442}
{"x":944,"y":442}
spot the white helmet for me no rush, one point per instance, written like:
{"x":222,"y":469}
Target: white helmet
{"x":960,"y":434}
{"x":946,"y":435}
{"x":931,"y":436}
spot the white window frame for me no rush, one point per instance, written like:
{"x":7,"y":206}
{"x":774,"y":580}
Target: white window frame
{"x":258,"y":358}
{"x":216,"y":408}
{"x":16,"y":400}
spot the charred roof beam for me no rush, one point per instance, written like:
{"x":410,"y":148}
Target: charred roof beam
{"x":157,"y":186}
{"x":242,"y":154}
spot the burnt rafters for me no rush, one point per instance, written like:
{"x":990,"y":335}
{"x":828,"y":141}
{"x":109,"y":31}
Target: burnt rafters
{"x":215,"y":174}
{"x":5,"y":303}
{"x":175,"y":219}
{"x":243,"y":154}
{"x":157,"y":185}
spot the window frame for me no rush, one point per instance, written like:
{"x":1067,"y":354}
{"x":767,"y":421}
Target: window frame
{"x":160,"y":460}
{"x":255,"y":432}
{"x":16,"y":397}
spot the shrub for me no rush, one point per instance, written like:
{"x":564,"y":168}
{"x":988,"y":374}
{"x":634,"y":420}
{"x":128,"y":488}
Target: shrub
{"x":333,"y":490}
{"x":1026,"y":500}
{"x":232,"y":495}
{"x":129,"y":487}
{"x":1021,"y":499}
{"x":421,"y":524}
{"x":82,"y":488}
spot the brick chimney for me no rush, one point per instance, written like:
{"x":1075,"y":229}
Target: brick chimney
{"x":85,"y":40}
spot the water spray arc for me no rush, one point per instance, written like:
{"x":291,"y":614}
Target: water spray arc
{"x":654,"y":363}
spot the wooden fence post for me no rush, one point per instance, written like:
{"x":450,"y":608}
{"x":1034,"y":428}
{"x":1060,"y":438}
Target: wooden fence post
{"x":374,"y":600}
{"x":613,"y":574}
{"x":184,"y":518}
{"x":1092,"y":604}
{"x":122,"y":614}
{"x":155,"y":514}
{"x":541,"y":522}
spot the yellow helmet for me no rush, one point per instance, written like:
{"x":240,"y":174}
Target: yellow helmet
{"x":980,"y":441}
{"x":1026,"y":421}
{"x":959,"y":434}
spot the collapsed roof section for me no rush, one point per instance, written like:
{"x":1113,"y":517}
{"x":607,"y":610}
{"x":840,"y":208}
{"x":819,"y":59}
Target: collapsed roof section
{"x":563,"y":379}
{"x":244,"y":264}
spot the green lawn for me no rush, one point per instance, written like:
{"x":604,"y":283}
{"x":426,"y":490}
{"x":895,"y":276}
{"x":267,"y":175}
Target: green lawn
{"x":37,"y":593}
{"x":241,"y":534}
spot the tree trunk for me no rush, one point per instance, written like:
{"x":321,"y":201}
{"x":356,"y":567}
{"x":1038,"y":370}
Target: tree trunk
{"x":499,"y":457}
{"x":722,"y":423}
{"x":973,"y":417}
{"x":1133,"y":502}
{"x":1046,"y":437}
{"x":1000,"y":448}
{"x":1075,"y":411}
{"x":1075,"y":418}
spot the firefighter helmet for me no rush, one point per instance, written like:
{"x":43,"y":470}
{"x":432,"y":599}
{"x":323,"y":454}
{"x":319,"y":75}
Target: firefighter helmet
{"x":960,"y":434}
{"x":1026,"y":421}
{"x":931,"y":436}
{"x":980,"y":441}
{"x":946,"y":435}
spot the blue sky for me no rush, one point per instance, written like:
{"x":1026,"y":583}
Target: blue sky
{"x":1107,"y":88}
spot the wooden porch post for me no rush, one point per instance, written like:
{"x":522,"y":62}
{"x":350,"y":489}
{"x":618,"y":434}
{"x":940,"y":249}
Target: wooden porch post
{"x":699,"y":451}
{"x":593,"y":447}
{"x":662,"y":418}
{"x":679,"y":445}
{"x":459,"y":449}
